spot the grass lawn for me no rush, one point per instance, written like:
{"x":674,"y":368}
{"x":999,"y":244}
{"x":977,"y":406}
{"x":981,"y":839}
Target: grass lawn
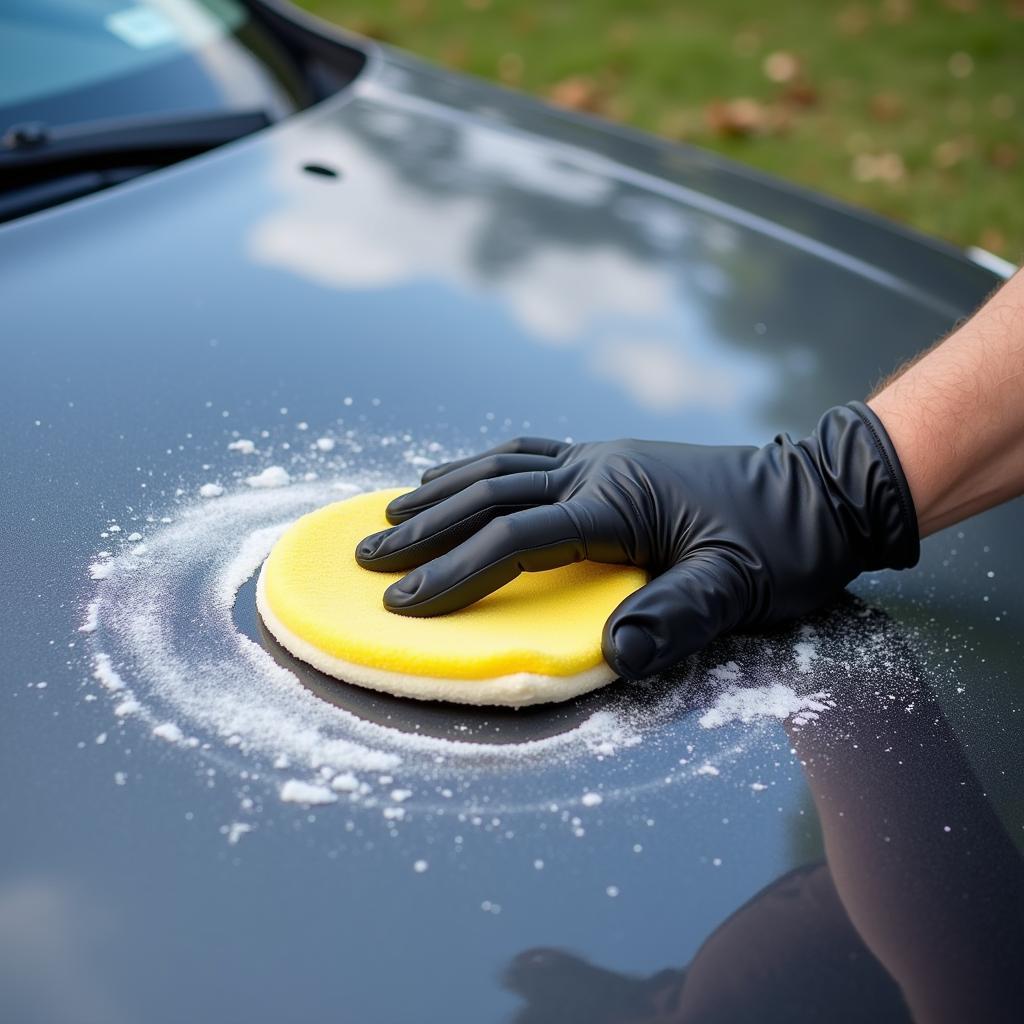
{"x":914,"y":108}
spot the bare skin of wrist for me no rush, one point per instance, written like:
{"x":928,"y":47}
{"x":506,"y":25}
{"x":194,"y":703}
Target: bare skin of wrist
{"x":956,"y":415}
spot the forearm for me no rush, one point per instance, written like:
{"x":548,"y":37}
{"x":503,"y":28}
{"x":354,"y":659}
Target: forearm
{"x":956,"y":416}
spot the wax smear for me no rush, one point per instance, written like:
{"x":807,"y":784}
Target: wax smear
{"x":745,"y":704}
{"x":167,"y":650}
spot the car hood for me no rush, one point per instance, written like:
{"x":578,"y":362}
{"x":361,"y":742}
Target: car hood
{"x":419,"y":267}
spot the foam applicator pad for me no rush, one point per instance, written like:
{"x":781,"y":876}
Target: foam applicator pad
{"x":537,"y":639}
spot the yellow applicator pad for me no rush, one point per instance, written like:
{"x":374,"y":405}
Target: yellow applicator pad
{"x":537,"y":639}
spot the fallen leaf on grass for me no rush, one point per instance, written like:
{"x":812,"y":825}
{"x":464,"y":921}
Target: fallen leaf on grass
{"x":951,"y":152}
{"x":1004,"y":155}
{"x":885,"y":167}
{"x":887,"y":106}
{"x":578,"y":92}
{"x":800,"y":94}
{"x":781,"y":66}
{"x":853,"y":20}
{"x":744,"y":116}
{"x":786,"y":69}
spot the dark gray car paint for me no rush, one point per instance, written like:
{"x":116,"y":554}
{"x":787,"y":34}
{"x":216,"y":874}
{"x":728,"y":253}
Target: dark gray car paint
{"x":479,"y":263}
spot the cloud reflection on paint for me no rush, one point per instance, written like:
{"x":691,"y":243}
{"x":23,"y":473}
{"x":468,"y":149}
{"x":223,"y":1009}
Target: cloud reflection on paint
{"x":661,"y":376}
{"x":577,"y":260}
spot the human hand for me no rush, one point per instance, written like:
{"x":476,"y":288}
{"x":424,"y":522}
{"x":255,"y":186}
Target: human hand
{"x":733,"y":537}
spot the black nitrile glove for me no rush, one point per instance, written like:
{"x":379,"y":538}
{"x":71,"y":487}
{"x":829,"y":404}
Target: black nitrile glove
{"x":732,"y":537}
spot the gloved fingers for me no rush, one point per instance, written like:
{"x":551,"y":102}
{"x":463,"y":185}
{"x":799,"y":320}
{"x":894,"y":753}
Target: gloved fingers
{"x":517,"y":446}
{"x":675,"y":615}
{"x":538,"y":538}
{"x":438,"y":529}
{"x":484,"y":468}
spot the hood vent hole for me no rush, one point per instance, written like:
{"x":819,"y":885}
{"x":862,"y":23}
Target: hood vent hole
{"x":321,"y":170}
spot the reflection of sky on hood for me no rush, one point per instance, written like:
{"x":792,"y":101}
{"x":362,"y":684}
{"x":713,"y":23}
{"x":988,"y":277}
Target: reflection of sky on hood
{"x":577,"y":260}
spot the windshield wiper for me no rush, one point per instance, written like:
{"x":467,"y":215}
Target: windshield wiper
{"x":33,"y":152}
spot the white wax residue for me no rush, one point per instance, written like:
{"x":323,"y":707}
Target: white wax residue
{"x":345,"y":782}
{"x":272,"y":476}
{"x":104,"y":673}
{"x":747,"y":703}
{"x":169,"y":731}
{"x":254,"y":548}
{"x":89,"y":622}
{"x":726,"y":673}
{"x":175,"y":623}
{"x":805,"y":650}
{"x":236,"y":830}
{"x":295,"y":791}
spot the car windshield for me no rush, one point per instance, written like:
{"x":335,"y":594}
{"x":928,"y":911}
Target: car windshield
{"x":69,"y":61}
{"x":95,"y":92}
{"x":53,"y":46}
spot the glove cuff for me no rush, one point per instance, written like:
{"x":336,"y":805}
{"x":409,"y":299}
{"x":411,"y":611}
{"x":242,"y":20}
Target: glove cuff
{"x":895,"y":539}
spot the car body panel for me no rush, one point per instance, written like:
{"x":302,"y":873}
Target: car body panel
{"x":481,"y":266}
